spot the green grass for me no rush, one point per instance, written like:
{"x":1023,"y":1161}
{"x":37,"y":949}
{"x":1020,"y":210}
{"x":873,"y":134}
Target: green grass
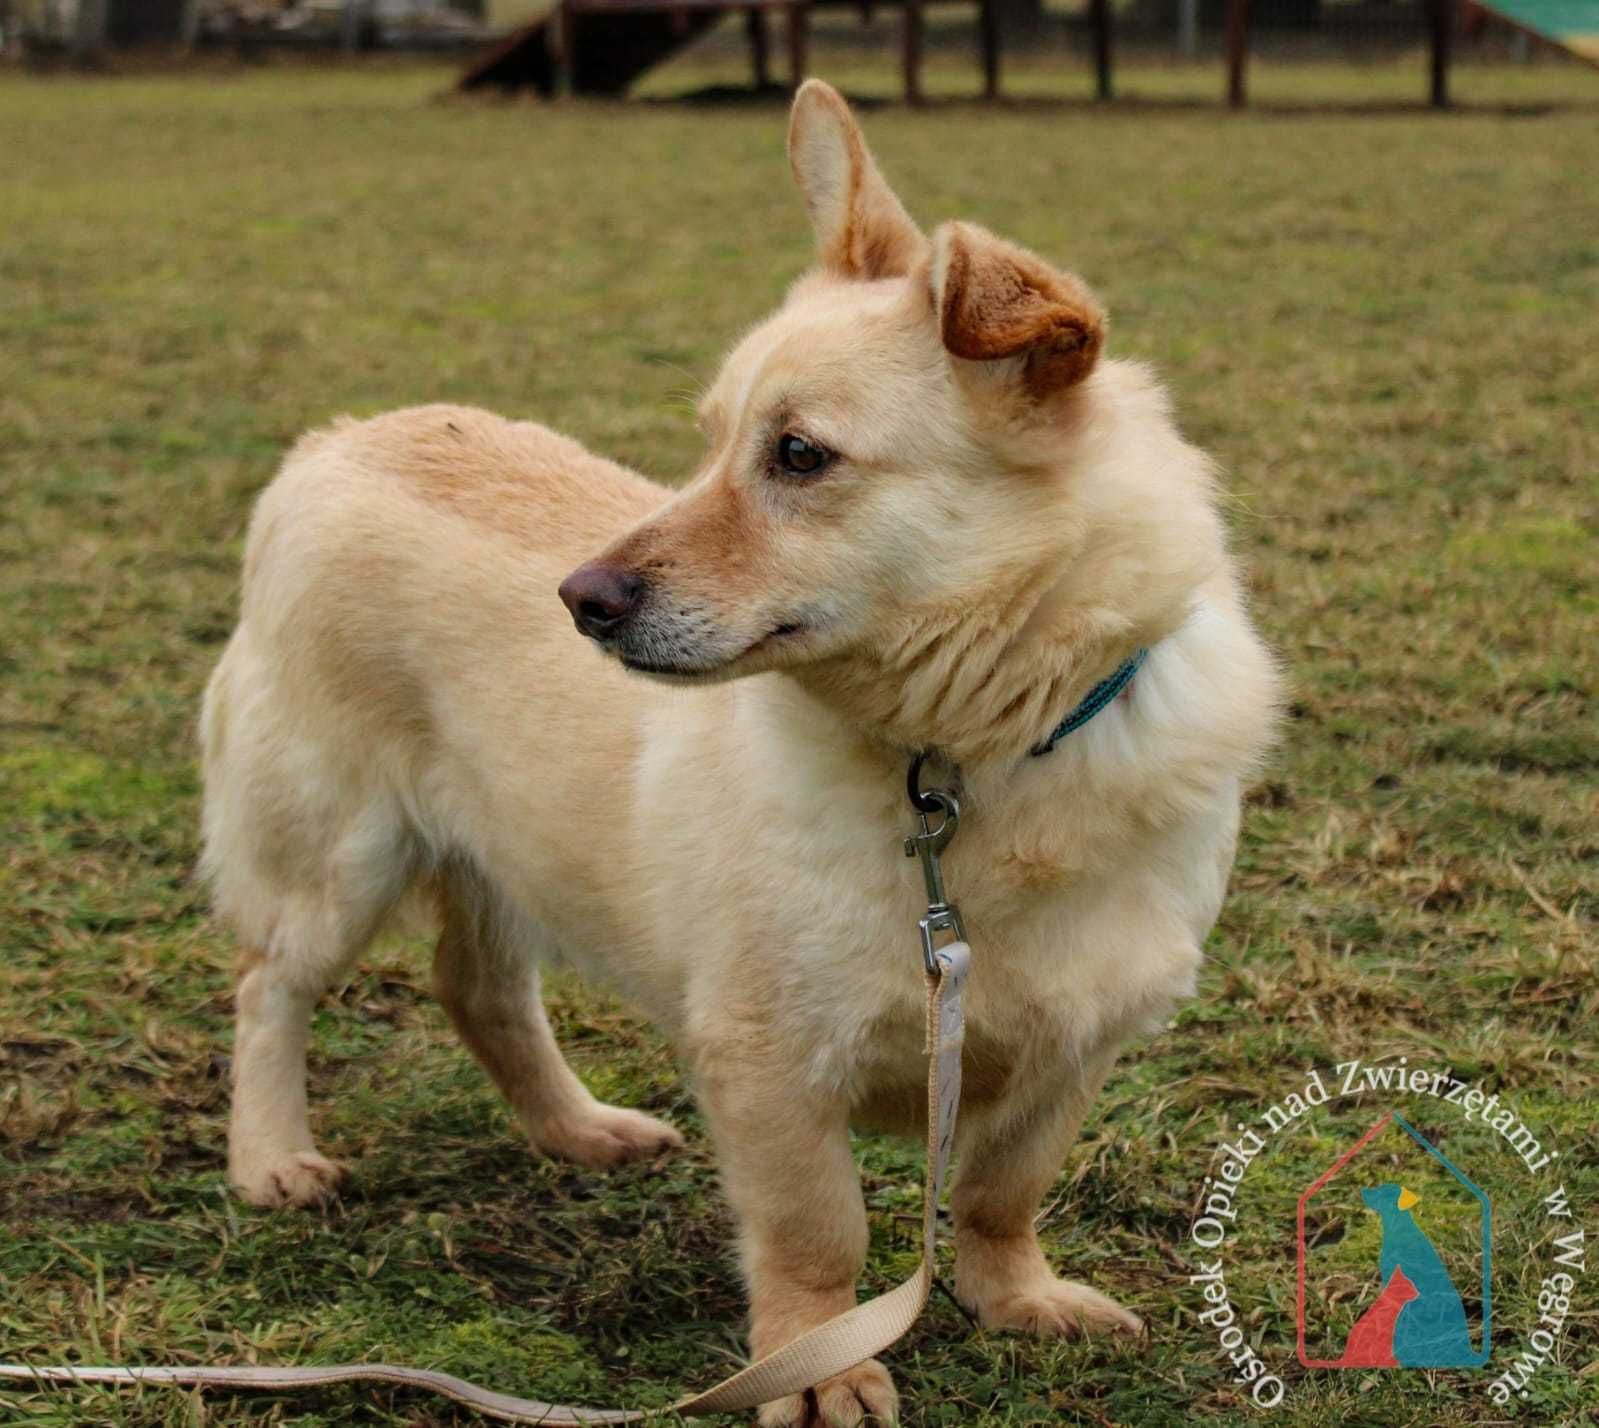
{"x":1383,"y":326}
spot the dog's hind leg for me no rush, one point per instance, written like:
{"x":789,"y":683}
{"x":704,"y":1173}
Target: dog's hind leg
{"x":272,"y":1159}
{"x":486,"y":977}
{"x":316,"y":933}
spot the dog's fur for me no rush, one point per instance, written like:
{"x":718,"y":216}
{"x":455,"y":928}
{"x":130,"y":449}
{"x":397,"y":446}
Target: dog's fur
{"x":405,"y":706}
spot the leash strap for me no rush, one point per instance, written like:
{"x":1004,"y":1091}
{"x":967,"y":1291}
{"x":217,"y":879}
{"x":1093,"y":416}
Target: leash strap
{"x":829,"y":1349}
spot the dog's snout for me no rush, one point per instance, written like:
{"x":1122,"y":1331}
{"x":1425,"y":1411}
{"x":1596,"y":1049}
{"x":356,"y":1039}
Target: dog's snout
{"x":602,"y":598}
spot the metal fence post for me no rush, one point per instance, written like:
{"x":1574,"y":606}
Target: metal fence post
{"x":1187,"y":28}
{"x":89,"y":32}
{"x":350,"y":24}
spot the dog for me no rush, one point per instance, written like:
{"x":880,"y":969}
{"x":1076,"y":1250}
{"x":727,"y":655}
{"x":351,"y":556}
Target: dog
{"x":931,"y":517}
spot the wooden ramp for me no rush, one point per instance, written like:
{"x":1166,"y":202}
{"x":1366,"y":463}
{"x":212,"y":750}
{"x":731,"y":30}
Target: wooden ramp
{"x":611,"y":44}
{"x":600,"y":47}
{"x":1571,"y":24}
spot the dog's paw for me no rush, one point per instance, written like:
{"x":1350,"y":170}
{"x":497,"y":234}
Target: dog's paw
{"x":295,"y":1177}
{"x":606,"y":1136}
{"x":1060,"y":1309}
{"x":866,"y":1391}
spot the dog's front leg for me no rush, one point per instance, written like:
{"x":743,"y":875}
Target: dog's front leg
{"x":784,"y":1155}
{"x":1006,"y":1169}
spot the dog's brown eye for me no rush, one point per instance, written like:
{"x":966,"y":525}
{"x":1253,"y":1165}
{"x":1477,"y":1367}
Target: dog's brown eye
{"x":799,"y":457}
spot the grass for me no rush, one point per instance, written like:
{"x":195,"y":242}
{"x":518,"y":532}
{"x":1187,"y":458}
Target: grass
{"x":1382,"y":326}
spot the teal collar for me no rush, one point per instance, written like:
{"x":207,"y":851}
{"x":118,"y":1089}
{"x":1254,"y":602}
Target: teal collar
{"x":1096,"y":699}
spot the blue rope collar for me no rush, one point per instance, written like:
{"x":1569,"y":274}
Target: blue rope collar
{"x":1096,"y":699}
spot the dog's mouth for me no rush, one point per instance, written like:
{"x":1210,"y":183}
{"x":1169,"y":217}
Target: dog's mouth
{"x":661,"y":669}
{"x":782,"y":632}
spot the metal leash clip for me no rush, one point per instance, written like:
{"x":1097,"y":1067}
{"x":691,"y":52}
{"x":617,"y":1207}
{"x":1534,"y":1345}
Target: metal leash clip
{"x":942,"y":915}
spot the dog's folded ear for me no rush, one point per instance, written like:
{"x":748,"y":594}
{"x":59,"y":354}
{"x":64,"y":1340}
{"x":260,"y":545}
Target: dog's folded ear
{"x":862,"y":230}
{"x":997,"y":302}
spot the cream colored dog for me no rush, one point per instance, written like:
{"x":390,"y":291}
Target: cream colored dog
{"x":928,"y":518}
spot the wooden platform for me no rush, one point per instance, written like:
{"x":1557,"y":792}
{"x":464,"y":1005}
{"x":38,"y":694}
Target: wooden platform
{"x":601,"y":47}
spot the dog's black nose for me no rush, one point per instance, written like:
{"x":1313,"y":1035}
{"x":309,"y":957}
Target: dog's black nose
{"x":601,"y":598}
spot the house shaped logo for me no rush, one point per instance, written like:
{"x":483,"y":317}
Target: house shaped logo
{"x":1395,"y":1258}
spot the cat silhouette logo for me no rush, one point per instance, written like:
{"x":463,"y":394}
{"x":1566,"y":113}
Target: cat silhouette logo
{"x":1394,"y":1258}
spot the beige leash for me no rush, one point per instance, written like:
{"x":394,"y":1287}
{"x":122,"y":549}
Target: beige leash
{"x":831,"y":1348}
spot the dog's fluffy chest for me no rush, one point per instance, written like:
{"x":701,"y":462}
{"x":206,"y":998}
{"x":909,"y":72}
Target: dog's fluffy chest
{"x":1060,"y":962}
{"x":1048,"y":983}
{"x":1018,"y":1035}
{"x":1083,"y":911}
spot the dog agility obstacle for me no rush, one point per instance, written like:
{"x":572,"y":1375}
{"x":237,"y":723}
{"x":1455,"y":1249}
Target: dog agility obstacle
{"x":600,"y":47}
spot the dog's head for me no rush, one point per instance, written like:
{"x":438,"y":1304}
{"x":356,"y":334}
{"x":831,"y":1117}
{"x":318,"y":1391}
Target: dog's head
{"x":884,"y":449}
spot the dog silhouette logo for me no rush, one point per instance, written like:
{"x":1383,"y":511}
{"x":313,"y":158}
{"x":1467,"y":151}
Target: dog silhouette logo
{"x":1429,"y":1234}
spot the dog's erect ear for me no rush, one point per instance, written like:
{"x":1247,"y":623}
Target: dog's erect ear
{"x":862,"y":231}
{"x":997,"y":301}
